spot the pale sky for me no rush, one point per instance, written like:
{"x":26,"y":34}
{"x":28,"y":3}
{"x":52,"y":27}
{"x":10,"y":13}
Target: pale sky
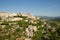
{"x":36,"y":7}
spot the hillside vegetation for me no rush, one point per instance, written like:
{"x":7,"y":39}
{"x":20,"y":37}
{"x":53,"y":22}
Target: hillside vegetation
{"x":28,"y":27}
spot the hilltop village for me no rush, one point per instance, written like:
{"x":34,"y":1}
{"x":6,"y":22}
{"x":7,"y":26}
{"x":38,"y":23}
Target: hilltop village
{"x":24,"y":27}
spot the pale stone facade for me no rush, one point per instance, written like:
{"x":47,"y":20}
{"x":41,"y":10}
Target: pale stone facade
{"x":15,"y":19}
{"x":5,"y":15}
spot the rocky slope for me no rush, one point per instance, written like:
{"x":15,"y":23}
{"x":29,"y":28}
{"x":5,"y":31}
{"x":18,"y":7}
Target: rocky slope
{"x":25,"y":27}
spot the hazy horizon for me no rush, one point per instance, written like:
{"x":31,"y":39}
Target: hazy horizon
{"x":36,"y":7}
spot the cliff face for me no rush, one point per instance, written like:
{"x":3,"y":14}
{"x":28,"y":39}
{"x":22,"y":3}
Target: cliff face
{"x":25,"y":27}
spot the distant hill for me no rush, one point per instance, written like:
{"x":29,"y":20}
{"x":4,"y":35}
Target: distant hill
{"x":55,"y":19}
{"x":50,"y":18}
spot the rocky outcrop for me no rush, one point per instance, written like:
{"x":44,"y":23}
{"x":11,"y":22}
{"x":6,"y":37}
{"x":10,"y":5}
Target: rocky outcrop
{"x":23,"y":27}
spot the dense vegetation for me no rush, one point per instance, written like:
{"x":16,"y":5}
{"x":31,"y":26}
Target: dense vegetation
{"x":52,"y":33}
